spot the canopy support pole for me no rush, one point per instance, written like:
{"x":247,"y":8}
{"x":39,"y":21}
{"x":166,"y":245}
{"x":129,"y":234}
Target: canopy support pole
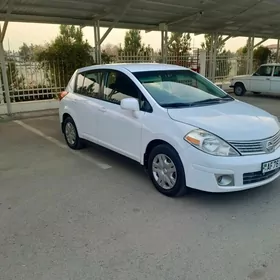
{"x":277,"y":51}
{"x":4,"y":70}
{"x":97,"y":46}
{"x":164,"y":42}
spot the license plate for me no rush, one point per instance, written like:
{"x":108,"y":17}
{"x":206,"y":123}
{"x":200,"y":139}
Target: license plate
{"x":270,"y":165}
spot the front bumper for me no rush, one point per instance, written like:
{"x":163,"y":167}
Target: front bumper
{"x":246,"y":170}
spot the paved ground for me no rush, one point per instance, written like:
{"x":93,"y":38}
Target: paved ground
{"x":95,"y":215}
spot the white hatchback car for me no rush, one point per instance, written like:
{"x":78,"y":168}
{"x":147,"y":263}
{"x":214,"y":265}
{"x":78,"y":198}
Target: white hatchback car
{"x":185,"y":130}
{"x":265,"y":80}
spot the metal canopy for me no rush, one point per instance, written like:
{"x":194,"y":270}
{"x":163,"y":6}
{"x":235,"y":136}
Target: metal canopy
{"x":258,"y":18}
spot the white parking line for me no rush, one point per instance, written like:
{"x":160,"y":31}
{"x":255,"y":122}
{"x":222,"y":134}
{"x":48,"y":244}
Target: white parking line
{"x":64,"y":146}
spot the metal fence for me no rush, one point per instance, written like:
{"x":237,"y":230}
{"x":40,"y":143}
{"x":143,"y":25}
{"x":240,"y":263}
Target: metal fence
{"x":32,"y":80}
{"x":228,"y":67}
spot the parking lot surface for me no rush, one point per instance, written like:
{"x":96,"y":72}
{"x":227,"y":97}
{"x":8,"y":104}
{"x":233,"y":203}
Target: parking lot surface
{"x":94,"y":214}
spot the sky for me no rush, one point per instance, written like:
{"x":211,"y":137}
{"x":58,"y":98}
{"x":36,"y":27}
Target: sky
{"x":31,"y":33}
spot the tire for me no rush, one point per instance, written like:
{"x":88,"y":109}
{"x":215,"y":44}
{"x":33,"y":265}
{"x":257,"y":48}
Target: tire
{"x":239,"y":89}
{"x":74,"y":141}
{"x":175,"y":185}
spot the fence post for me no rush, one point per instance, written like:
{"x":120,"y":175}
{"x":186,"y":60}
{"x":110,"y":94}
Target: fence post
{"x":5,"y":78}
{"x":202,"y":62}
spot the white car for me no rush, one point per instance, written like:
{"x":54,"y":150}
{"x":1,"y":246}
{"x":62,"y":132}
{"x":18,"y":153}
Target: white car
{"x":265,"y":80}
{"x":183,"y":129}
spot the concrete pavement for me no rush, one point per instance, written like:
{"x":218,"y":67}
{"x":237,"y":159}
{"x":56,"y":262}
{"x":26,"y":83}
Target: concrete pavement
{"x":64,"y":216}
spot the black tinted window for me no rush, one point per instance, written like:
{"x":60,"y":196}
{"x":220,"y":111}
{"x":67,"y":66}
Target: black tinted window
{"x":89,"y":83}
{"x":277,"y":71}
{"x":118,"y":86}
{"x":264,"y":71}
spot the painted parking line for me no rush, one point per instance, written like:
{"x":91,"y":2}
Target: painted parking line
{"x":63,"y":146}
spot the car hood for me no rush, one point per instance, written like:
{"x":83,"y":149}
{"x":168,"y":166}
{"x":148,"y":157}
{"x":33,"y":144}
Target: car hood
{"x":241,"y":77}
{"x":233,"y":120}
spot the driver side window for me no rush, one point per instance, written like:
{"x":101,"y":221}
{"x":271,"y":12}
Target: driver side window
{"x":118,"y":86}
{"x":265,"y":71}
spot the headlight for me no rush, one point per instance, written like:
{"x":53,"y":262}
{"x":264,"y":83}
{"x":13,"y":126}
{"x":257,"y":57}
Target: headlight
{"x":209,"y":143}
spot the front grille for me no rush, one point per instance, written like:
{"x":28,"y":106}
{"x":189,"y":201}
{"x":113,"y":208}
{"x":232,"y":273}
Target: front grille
{"x":256,"y":147}
{"x":255,"y":177}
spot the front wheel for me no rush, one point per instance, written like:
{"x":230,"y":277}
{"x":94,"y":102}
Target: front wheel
{"x":239,"y":89}
{"x":166,"y":171}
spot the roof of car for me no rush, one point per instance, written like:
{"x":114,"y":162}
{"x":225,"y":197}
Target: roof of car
{"x":134,"y":67}
{"x":271,"y":64}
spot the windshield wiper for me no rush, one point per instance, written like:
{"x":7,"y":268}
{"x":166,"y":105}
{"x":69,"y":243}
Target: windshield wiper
{"x":227,"y":97}
{"x":206,"y":101}
{"x":175,"y":105}
{"x":211,"y":101}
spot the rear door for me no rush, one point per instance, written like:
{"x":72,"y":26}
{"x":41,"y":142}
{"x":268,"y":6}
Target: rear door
{"x":275,"y":80}
{"x":87,"y":91}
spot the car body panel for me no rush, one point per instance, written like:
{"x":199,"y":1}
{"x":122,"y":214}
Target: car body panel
{"x":129,"y":133}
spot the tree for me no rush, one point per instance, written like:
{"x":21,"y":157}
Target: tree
{"x":179,"y":43}
{"x":207,"y":44}
{"x":65,"y":54}
{"x":132,"y":41}
{"x":261,"y":55}
{"x":223,"y":64}
{"x":28,"y":53}
{"x":178,"y":48}
{"x":134,"y":50}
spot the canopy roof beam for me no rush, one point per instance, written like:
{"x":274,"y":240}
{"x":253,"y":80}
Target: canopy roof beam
{"x":259,"y":43}
{"x":124,"y":8}
{"x":6,"y":20}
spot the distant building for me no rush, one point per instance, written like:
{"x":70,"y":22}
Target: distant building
{"x":272,"y":47}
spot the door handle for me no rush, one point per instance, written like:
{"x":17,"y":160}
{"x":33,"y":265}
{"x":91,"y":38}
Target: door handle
{"x":102,"y":109}
{"x":268,"y":79}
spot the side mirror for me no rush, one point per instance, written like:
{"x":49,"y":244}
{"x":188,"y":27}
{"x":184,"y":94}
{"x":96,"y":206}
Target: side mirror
{"x":130,"y":104}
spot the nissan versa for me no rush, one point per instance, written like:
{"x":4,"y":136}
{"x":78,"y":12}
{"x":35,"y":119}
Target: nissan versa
{"x":182,"y":128}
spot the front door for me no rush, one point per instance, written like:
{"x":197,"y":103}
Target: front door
{"x":275,"y":80}
{"x":261,"y":79}
{"x":118,"y":129}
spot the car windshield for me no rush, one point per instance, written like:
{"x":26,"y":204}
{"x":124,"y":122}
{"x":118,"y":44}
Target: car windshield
{"x":181,"y":88}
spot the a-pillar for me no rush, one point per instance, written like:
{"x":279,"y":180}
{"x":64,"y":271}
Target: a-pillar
{"x":97,"y":46}
{"x":4,"y":75}
{"x":164,"y":42}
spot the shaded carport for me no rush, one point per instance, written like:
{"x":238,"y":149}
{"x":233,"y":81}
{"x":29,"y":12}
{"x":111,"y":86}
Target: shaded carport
{"x":250,"y":18}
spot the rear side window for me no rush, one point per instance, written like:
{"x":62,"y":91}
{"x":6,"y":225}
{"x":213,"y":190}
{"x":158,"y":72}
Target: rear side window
{"x":277,"y":71}
{"x":89,"y":83}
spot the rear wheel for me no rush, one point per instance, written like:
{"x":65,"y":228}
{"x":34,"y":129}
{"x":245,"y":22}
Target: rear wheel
{"x":239,"y":89}
{"x":71,"y":134}
{"x":166,"y":171}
